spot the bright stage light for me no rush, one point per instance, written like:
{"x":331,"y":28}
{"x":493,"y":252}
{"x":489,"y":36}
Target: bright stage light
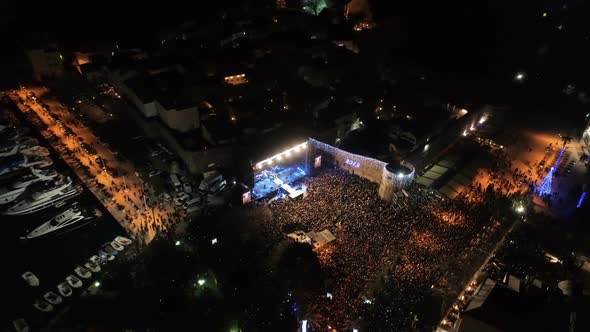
{"x":400,"y":175}
{"x":281,"y":155}
{"x":304,"y":325}
{"x":581,"y":200}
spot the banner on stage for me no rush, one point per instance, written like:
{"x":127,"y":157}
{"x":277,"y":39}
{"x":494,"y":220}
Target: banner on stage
{"x":246,"y":197}
{"x":318,"y":162}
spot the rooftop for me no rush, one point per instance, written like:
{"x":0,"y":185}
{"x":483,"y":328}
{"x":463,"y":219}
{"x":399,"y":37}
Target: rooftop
{"x":498,"y":308}
{"x":169,"y":88}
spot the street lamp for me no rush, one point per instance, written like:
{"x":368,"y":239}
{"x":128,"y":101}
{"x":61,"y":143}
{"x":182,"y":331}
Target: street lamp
{"x":520,"y":209}
{"x":177,"y":243}
{"x":201,"y":282}
{"x":519,"y":76}
{"x":97,"y":284}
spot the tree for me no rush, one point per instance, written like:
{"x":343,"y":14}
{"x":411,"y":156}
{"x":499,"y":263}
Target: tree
{"x":313,"y":7}
{"x":298,"y":268}
{"x":159,"y":289}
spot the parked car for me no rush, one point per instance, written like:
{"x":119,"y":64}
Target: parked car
{"x":191,"y":202}
{"x":180,"y":198}
{"x":154,"y":172}
{"x":100,"y":161}
{"x":187,"y":187}
{"x":90,"y":150}
{"x":112,"y":171}
{"x":166,"y":196}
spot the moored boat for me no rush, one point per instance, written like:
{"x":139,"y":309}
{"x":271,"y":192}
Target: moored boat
{"x":43,"y":306}
{"x":74,"y":281}
{"x":123,"y":240}
{"x":52,"y":298}
{"x":82,"y":272}
{"x":31,"y":279}
{"x":64,"y":289}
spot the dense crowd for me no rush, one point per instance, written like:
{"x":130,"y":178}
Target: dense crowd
{"x":404,"y":242}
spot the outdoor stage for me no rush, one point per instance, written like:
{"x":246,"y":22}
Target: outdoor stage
{"x":270,"y":180}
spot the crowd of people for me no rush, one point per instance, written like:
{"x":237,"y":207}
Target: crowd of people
{"x":405,"y":242}
{"x":142,"y":220}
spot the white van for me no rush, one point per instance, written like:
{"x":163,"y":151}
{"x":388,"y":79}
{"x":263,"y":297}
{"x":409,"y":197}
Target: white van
{"x":193,"y":209}
{"x":207,"y":183}
{"x":191,"y":202}
{"x":180,"y":198}
{"x":175,"y":182}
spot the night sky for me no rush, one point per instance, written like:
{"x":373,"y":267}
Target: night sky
{"x":459,"y":40}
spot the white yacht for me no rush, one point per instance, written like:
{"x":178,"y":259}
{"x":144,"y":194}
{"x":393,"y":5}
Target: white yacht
{"x":43,"y":306}
{"x":9,"y":194}
{"x":64,"y":289}
{"x":21,"y":162}
{"x":37,"y":150}
{"x":49,"y":193}
{"x":66,"y":218}
{"x":17,"y":144}
{"x":31,"y":279}
{"x":11,"y":164}
{"x":14,"y":189}
{"x":8,"y":151}
{"x":35,"y":175}
{"x":37,"y":162}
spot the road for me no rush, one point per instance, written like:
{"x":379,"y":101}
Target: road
{"x":478,"y":277}
{"x":127,"y":197}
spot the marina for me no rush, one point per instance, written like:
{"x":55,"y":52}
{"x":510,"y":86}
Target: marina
{"x":53,"y":225}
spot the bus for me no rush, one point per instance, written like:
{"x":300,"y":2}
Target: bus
{"x":207,"y":183}
{"x":175,"y":182}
